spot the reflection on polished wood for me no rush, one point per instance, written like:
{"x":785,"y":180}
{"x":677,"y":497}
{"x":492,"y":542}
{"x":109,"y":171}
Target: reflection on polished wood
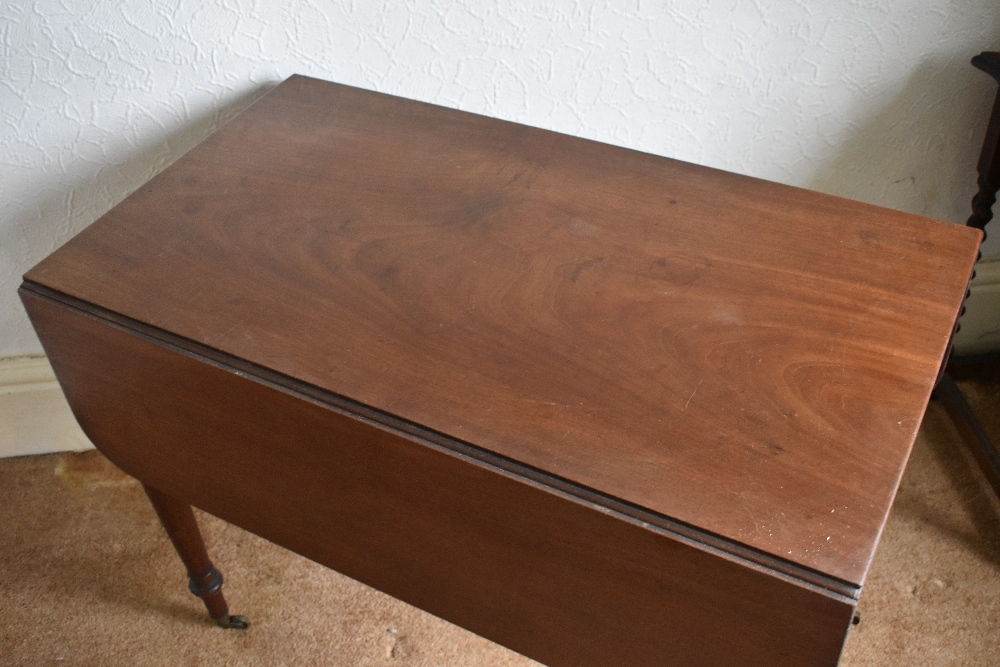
{"x":599,"y":406}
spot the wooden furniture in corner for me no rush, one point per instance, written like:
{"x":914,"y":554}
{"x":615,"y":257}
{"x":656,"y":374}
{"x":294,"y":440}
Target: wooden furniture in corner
{"x":602,"y":407}
{"x":978,"y":365}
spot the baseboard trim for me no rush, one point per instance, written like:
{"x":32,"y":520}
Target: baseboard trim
{"x":987,"y":272}
{"x":34,"y":415}
{"x":980,"y":331}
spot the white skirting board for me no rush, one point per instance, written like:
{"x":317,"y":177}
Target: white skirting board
{"x":980,"y":330}
{"x":34,"y":415}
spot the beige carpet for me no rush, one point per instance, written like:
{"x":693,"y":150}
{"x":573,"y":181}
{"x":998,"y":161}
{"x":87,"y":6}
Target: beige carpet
{"x":88,"y":578}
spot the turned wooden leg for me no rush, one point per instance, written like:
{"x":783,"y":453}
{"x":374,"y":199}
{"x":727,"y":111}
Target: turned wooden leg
{"x":205,"y":581}
{"x":989,"y":158}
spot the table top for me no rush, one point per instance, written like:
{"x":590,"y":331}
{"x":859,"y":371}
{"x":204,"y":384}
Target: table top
{"x":747,"y":360}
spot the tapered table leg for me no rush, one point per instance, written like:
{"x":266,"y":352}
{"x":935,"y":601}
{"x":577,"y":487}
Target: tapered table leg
{"x":204,"y":580}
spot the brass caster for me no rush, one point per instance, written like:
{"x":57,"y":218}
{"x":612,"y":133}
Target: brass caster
{"x":233,"y":622}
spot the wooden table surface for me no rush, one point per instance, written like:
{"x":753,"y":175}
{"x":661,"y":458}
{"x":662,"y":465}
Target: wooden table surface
{"x":743,"y":363}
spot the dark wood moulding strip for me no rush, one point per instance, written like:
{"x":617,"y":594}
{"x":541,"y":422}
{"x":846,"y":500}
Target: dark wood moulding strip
{"x":686,"y":533}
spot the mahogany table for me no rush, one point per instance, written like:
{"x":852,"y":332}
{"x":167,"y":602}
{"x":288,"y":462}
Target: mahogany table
{"x":599,"y":406}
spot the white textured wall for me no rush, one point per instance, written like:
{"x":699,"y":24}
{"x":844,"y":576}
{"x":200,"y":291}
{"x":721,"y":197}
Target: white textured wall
{"x":871,"y":99}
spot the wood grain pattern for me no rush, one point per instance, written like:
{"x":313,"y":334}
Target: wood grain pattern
{"x":554,"y":578}
{"x":740,"y":356}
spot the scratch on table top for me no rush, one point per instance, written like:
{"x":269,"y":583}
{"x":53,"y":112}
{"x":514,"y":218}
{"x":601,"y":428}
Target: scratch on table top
{"x":552,"y":403}
{"x":693,"y":393}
